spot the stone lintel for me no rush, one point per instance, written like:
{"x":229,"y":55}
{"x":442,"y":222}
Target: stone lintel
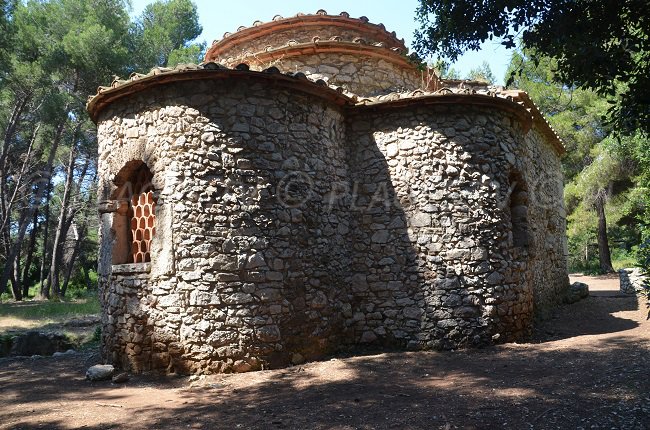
{"x":131,"y":268}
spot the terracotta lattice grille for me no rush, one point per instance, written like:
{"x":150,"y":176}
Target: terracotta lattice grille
{"x":143,"y":219}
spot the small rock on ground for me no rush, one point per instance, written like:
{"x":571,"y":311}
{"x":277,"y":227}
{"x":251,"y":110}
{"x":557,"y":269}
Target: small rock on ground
{"x":576,"y":292}
{"x":100,"y":372}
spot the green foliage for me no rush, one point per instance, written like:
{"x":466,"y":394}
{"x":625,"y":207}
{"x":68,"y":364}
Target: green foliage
{"x":193,"y":53}
{"x":598,"y":167}
{"x":53,"y":54}
{"x":483,"y":73}
{"x":637,"y":148}
{"x":643,"y":254}
{"x":77,"y":287}
{"x":576,"y":114}
{"x":599,"y":45}
{"x":599,"y":175}
{"x":623,"y":259}
{"x":81,"y":42}
{"x":444,"y":70}
{"x":596,"y":180}
{"x":6,"y":33}
{"x":160,"y":36}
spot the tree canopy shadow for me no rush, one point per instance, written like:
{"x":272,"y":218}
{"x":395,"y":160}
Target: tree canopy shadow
{"x":590,"y":316}
{"x":516,"y":386}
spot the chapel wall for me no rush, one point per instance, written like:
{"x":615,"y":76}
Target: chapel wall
{"x":548,"y":251}
{"x":361,"y":57}
{"x":249,"y":268}
{"x":291,"y":224}
{"x":433,"y":263}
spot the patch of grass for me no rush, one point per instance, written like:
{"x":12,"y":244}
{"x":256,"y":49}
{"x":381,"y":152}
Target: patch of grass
{"x":82,"y":339}
{"x":50,"y":316}
{"x":91,"y":340}
{"x":621,"y":259}
{"x":47,"y":309}
{"x":76,"y":288}
{"x":624,"y":262}
{"x":589,"y":268}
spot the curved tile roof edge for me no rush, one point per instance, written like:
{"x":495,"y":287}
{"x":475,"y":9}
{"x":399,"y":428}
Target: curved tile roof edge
{"x":539,"y":119}
{"x":320,"y":15}
{"x":460,"y":95}
{"x":184,"y":72}
{"x":514,"y":101}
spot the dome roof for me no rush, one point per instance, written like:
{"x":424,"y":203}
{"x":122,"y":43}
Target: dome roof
{"x":311,"y":32}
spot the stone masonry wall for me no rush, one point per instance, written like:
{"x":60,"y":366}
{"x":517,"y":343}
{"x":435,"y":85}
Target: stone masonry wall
{"x":257,"y":261}
{"x":360,"y":73}
{"x":632,"y":280}
{"x":365,"y":76}
{"x":288,"y":226}
{"x":433,"y":262}
{"x":128,"y":329}
{"x":547,"y":251}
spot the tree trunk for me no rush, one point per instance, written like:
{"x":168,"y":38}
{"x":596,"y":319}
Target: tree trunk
{"x":61,"y":230}
{"x":71,"y":260}
{"x":46,"y":234}
{"x":38,"y":196}
{"x":30,"y":254}
{"x":10,"y":130}
{"x":15,"y":280}
{"x":16,"y":292}
{"x":12,"y":265}
{"x":603,"y":243}
{"x":20,"y":104}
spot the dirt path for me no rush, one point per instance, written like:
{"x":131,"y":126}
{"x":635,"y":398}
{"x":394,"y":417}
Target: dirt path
{"x":587,"y":368}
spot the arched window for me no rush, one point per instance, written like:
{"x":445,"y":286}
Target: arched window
{"x":519,"y":211}
{"x":134,"y":221}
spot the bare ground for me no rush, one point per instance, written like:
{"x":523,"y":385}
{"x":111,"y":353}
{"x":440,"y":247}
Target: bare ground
{"x":587,"y":367}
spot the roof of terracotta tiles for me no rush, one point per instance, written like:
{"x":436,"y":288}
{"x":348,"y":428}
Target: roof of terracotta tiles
{"x":343,"y":20}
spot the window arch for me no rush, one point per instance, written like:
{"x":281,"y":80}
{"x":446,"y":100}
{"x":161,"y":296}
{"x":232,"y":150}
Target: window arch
{"x":134,"y":221}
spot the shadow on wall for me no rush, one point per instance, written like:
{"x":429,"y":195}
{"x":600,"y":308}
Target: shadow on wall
{"x":275,"y":259}
{"x":405,"y":292}
{"x":261,"y":251}
{"x":388,"y":290}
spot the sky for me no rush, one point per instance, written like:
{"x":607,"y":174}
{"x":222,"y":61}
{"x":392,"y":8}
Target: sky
{"x":218,"y":17}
